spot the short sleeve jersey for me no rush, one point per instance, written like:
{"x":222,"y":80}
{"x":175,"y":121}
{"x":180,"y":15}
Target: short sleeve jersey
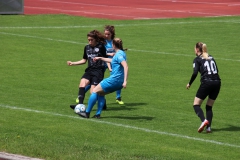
{"x":117,"y":68}
{"x":90,"y":52}
{"x":207,"y":68}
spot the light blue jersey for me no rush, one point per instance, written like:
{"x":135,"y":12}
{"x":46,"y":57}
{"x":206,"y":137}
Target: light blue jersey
{"x":109,"y":47}
{"x":117,"y":68}
{"x":116,"y":79}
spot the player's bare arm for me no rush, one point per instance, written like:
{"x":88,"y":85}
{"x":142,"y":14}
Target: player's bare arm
{"x":70,"y":63}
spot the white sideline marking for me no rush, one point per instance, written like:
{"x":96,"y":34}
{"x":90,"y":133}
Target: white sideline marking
{"x":124,"y":126}
{"x":135,"y":50}
{"x":119,"y":25}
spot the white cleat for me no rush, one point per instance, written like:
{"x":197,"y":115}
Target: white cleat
{"x":203,"y":125}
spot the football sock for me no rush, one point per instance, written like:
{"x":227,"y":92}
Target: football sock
{"x":91,"y":102}
{"x":101,"y":102}
{"x":198,"y":110}
{"x":81,"y":94}
{"x":209,"y":114}
{"x":87,"y":88}
{"x":118,"y":94}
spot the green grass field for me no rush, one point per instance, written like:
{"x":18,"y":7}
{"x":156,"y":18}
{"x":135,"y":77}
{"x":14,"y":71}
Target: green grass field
{"x":157,"y":120}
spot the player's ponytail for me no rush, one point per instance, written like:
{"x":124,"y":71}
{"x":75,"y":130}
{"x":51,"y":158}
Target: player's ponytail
{"x":204,"y":51}
{"x":202,"y":47}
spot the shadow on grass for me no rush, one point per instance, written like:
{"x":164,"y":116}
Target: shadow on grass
{"x":230,"y":128}
{"x":126,"y":106}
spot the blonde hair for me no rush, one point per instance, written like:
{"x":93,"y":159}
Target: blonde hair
{"x":203,"y":49}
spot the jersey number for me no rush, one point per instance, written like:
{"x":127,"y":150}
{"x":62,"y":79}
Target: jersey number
{"x":211,"y":67}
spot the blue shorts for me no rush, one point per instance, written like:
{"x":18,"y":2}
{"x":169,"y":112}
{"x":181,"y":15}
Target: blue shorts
{"x":108,"y":85}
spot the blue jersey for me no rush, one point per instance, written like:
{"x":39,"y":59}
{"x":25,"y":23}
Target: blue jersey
{"x":109,"y":47}
{"x":117,"y":68}
{"x":116,"y":79}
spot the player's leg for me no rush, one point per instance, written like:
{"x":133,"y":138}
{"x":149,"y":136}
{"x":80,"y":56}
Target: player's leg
{"x":81,"y":93}
{"x":216,"y":85}
{"x":118,"y":97}
{"x":202,"y":93}
{"x":92,"y":101}
{"x":197,"y":108}
{"x":101,"y":102}
{"x":86,"y":89}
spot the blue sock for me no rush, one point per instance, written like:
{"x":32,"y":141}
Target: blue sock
{"x":87,"y":88}
{"x":101,"y":102}
{"x":91,"y":102}
{"x":118,"y":93}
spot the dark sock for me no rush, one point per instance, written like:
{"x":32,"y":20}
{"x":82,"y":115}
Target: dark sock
{"x":105,"y":105}
{"x":209,"y":114}
{"x":198,"y":110}
{"x":81,"y":94}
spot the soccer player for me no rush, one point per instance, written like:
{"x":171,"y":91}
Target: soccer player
{"x":117,"y":79}
{"x":109,"y":32}
{"x":210,"y":85}
{"x":94,"y":73}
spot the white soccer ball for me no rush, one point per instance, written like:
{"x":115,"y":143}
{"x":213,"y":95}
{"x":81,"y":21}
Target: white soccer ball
{"x":79,"y":108}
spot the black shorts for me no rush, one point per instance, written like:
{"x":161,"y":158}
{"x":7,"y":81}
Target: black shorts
{"x":210,"y":89}
{"x":94,"y":78}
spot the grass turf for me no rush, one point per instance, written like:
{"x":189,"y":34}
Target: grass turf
{"x":157,"y":120}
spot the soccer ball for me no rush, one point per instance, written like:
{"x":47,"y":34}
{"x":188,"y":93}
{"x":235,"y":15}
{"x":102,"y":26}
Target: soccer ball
{"x":79,"y":108}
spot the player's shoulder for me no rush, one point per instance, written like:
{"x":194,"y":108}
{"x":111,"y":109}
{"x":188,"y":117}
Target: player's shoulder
{"x":100,"y":45}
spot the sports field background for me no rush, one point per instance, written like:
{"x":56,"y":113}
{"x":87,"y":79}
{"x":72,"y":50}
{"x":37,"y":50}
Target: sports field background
{"x":157,"y":120}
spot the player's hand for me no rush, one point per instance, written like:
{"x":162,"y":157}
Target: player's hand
{"x":96,"y":58}
{"x":124,"y":84}
{"x":69,"y":63}
{"x":188,"y":86}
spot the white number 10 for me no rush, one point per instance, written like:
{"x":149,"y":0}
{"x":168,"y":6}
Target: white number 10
{"x":211,"y":67}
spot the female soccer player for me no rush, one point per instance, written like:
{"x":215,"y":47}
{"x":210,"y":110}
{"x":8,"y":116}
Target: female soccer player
{"x":210,"y":84}
{"x":116,"y":81}
{"x":94,"y":73}
{"x":109,"y":32}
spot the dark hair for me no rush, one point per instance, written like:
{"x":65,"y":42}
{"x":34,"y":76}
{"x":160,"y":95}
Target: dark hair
{"x":98,"y":36}
{"x":111,"y":29}
{"x":199,"y":46}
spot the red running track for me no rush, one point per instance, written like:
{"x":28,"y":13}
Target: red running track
{"x":134,"y":9}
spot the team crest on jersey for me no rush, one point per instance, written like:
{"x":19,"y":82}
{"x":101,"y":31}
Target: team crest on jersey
{"x":96,"y":49}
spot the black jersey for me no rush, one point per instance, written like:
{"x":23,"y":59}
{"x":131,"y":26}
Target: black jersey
{"x":90,"y":52}
{"x":206,"y":67}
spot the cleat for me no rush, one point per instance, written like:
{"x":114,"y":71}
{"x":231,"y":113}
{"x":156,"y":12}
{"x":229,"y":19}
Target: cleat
{"x":203,"y":125}
{"x":72,"y":106}
{"x":119,"y":100}
{"x":97,"y":116}
{"x":77,"y":100}
{"x":84,"y":114}
{"x":208,"y":130}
